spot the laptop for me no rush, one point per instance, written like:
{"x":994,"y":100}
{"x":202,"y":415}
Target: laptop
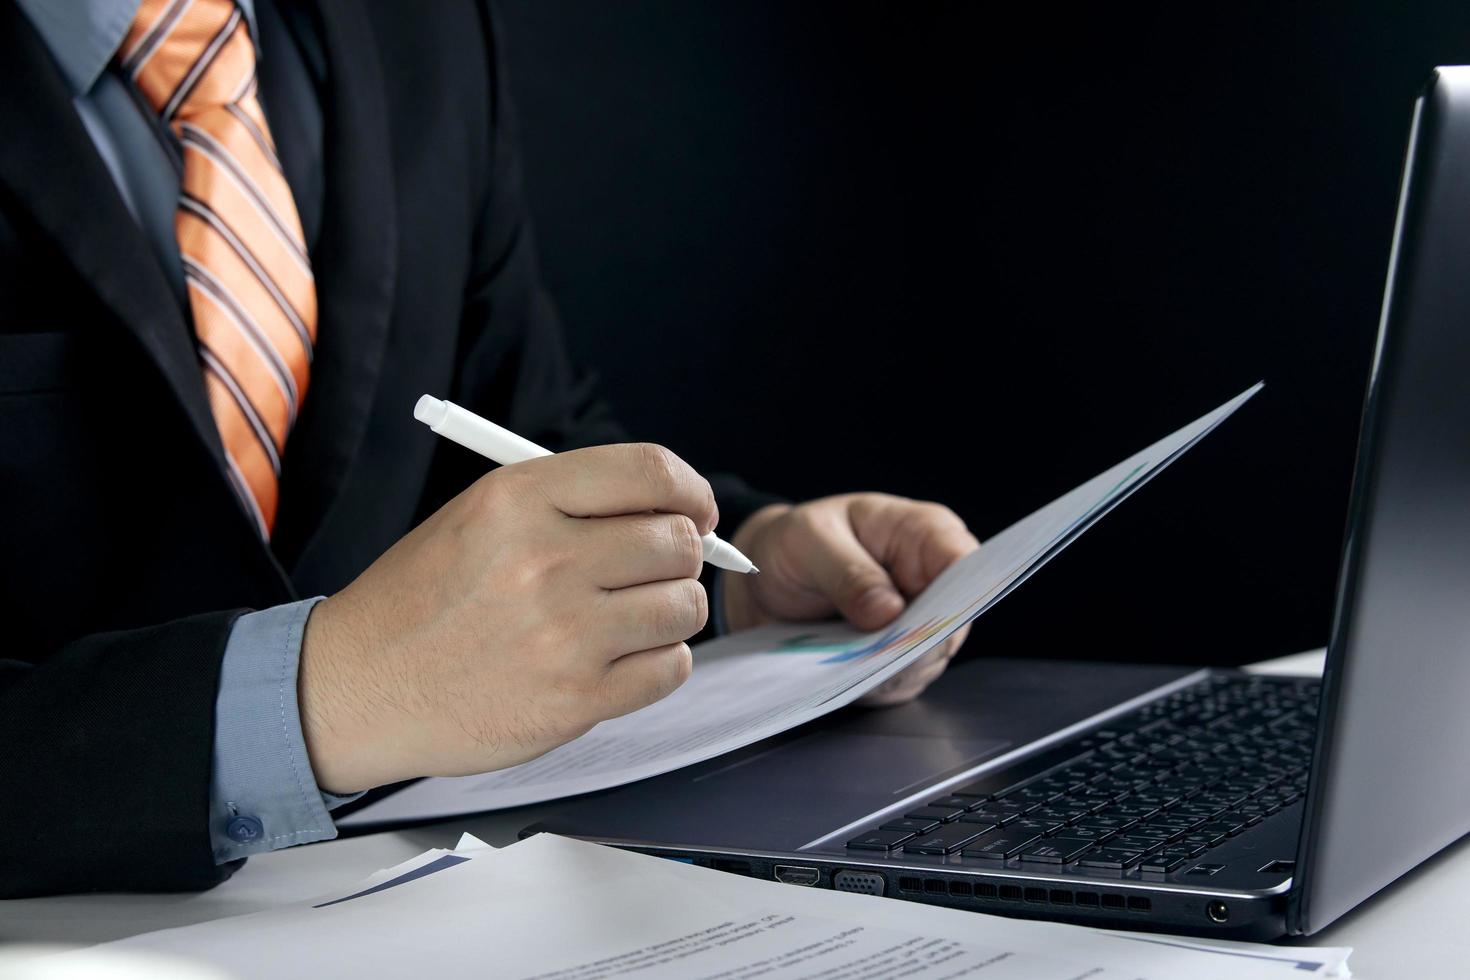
{"x":1209,"y":802}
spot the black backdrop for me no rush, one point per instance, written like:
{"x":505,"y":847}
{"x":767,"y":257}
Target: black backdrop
{"x":922,"y":248}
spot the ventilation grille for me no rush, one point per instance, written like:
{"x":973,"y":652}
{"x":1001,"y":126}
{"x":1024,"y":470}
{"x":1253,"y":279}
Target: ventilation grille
{"x":959,"y":888}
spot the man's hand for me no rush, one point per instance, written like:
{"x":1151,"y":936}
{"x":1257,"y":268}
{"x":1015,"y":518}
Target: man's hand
{"x":549,"y":596}
{"x":862,"y":555}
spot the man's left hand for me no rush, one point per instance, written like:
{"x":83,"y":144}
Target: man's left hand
{"x":863,"y":555}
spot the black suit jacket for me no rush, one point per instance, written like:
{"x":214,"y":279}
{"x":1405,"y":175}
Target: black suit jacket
{"x":124,"y":555}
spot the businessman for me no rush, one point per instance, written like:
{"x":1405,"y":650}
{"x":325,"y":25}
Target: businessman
{"x":240,"y":583}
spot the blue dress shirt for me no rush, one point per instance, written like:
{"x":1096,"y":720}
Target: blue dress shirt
{"x":263,"y":794}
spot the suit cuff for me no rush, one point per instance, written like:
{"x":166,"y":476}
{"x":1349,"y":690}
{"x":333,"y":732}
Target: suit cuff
{"x":263,"y":794}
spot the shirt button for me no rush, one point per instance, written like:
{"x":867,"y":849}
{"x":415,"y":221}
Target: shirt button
{"x":243,"y":830}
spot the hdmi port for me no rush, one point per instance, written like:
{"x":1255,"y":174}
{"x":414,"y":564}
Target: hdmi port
{"x":795,"y":874}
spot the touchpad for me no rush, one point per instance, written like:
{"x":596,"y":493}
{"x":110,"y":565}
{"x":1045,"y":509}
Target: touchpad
{"x":784,"y":796}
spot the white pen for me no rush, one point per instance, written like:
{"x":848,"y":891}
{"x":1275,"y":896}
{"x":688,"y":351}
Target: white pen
{"x":505,"y":447}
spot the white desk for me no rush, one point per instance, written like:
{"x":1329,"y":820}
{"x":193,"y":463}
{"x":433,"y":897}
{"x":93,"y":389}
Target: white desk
{"x":1416,"y":928}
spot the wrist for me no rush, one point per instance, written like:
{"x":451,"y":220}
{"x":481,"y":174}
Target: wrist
{"x":336,"y":724}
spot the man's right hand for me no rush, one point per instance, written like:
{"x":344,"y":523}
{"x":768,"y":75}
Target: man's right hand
{"x":549,"y":596}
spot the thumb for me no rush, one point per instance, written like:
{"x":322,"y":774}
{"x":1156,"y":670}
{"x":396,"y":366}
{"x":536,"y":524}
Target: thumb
{"x":851,"y":579}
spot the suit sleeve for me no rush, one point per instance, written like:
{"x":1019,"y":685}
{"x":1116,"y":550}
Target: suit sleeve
{"x":105,"y":762}
{"x":514,"y":363}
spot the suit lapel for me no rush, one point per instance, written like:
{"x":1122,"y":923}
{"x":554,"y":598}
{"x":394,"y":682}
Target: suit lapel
{"x":354,"y":265}
{"x":52,"y":168}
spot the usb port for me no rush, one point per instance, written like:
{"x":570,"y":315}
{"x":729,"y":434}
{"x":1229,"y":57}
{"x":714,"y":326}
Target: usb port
{"x":796,"y":874}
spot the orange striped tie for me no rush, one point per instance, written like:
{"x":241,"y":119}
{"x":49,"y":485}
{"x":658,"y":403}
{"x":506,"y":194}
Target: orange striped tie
{"x":245,"y":264}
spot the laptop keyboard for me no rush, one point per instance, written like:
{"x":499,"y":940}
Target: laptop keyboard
{"x":1154,"y":790}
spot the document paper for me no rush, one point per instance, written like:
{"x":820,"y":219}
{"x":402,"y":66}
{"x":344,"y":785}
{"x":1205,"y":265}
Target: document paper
{"x":760,"y":682}
{"x":553,"y":908}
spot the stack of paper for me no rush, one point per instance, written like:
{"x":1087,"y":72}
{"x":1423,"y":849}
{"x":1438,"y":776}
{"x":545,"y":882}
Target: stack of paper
{"x":761,"y":682}
{"x":552,"y":908}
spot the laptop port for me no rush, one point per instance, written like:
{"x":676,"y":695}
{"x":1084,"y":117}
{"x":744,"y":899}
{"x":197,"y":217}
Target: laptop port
{"x":796,"y":874}
{"x":862,"y":882}
{"x":734,"y":867}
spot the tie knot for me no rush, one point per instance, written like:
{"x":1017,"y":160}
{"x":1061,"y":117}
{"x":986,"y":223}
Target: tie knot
{"x":189,"y":55}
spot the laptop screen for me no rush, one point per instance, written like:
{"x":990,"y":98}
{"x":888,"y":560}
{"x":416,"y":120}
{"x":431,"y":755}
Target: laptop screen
{"x":1391,"y":779}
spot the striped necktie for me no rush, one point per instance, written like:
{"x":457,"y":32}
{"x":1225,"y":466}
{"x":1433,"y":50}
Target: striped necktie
{"x":249,"y":280}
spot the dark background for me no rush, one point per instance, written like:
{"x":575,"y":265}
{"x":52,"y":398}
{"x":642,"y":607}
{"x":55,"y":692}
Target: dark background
{"x":928,"y":249}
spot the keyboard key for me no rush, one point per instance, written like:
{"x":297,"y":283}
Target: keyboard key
{"x":1161,"y":798}
{"x":1152,"y":832}
{"x":1062,"y":784}
{"x":985,"y":820}
{"x":952,"y":802}
{"x":1106,"y":822}
{"x":1138,"y":811}
{"x":1115,"y":858}
{"x":1030,"y":825}
{"x":1226,"y":827}
{"x":945,"y":840}
{"x":998,"y":845}
{"x":1175,"y":822}
{"x":912,"y":826}
{"x":1193,"y":808}
{"x":879,"y":840}
{"x":1016,"y":807}
{"x":1199,"y":840}
{"x":1095,"y":834}
{"x":1058,"y":850}
{"x":943,"y":814}
{"x":1161,"y":863}
{"x":1034,"y":794}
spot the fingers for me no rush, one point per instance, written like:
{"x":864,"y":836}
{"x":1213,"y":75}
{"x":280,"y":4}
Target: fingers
{"x":652,"y":615}
{"x":617,"y":552}
{"x":605,"y":481}
{"x":912,"y":681}
{"x":638,"y":679}
{"x":841,"y":569}
{"x":908,"y":683}
{"x":956,"y":640}
{"x":915,"y":540}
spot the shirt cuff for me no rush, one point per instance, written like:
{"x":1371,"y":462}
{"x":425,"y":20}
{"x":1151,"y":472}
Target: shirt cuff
{"x":263,"y":794}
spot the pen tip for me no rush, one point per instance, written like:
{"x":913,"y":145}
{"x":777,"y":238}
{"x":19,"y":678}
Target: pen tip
{"x":754,"y":570}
